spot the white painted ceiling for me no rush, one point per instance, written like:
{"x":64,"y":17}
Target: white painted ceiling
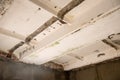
{"x":75,"y":44}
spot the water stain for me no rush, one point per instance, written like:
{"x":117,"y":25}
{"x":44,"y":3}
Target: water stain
{"x":54,"y":44}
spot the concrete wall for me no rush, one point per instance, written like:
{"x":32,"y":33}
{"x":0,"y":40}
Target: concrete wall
{"x":103,"y":71}
{"x":10,"y":70}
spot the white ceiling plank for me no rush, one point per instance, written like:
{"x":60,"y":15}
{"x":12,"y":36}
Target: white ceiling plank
{"x":7,"y":42}
{"x":73,"y":44}
{"x":99,"y":30}
{"x":61,"y":32}
{"x":53,"y":6}
{"x":93,"y":59}
{"x":11,"y":34}
{"x":24,"y":17}
{"x":88,"y":54}
{"x":89,"y":9}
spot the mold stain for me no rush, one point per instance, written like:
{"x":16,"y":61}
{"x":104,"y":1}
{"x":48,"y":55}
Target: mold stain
{"x":70,"y":17}
{"x":76,"y":31}
{"x":111,"y":12}
{"x":116,"y":42}
{"x":28,"y":19}
{"x":33,"y":56}
{"x":86,"y":24}
{"x":4,"y":5}
{"x":80,"y":58}
{"x":71,"y":49}
{"x":101,"y":54}
{"x":54,"y":44}
{"x":100,"y":14}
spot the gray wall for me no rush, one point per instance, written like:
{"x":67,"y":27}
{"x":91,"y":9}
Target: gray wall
{"x":10,"y":70}
{"x":109,"y":70}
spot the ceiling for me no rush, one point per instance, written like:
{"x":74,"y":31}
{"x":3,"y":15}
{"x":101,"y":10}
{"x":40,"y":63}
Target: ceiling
{"x":88,"y":31}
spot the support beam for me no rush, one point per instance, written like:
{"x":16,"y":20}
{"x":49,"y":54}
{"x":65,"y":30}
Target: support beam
{"x":49,"y":6}
{"x":110,"y":43}
{"x":11,"y":34}
{"x":68,"y":7}
{"x":60,"y":15}
{"x":53,"y":65}
{"x":72,"y":27}
{"x":4,"y":5}
{"x":40,"y":29}
{"x":46,"y":5}
{"x":97,"y":29}
{"x":9,"y":55}
{"x":32,"y":35}
{"x":4,"y":54}
{"x":16,"y":46}
{"x":14,"y":35}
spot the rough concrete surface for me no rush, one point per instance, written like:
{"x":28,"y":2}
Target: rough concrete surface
{"x":11,"y":70}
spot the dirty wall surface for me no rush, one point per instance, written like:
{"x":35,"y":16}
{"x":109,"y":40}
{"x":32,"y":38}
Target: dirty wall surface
{"x":103,"y":71}
{"x":10,"y":70}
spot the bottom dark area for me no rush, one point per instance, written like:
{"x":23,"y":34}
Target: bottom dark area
{"x":108,"y":70}
{"x":11,"y":70}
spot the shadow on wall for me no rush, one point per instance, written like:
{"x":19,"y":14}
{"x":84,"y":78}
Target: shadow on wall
{"x":10,"y":70}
